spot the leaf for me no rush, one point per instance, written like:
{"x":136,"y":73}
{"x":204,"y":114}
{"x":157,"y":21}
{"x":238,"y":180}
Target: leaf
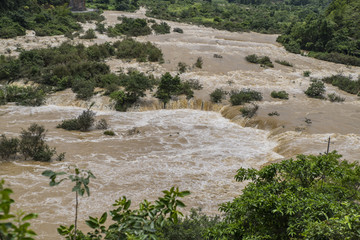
{"x":92,"y":224}
{"x":180,"y":203}
{"x":184,"y":193}
{"x":29,"y":217}
{"x":103,"y":218}
{"x":48,"y":173}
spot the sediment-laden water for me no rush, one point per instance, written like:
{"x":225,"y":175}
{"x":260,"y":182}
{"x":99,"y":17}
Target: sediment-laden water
{"x":195,"y":150}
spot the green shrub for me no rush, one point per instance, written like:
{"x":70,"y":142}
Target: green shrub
{"x":84,"y":89}
{"x":178,"y":30}
{"x":217,"y":56}
{"x":244,"y":96}
{"x":199,"y":62}
{"x":249,"y":111}
{"x":8,"y":147}
{"x":130,"y":49}
{"x":162,"y":28}
{"x":316,"y":89}
{"x":70,"y":124}
{"x":169,"y":86}
{"x":32,"y":144}
{"x":333,"y":97}
{"x":82,"y":123}
{"x":344,"y":83}
{"x":130,"y":27}
{"x":337,"y":58}
{"x":217,"y":95}
{"x":283,"y":62}
{"x":109,"y":133}
{"x":263,"y":61}
{"x":89,"y":34}
{"x":306,"y":73}
{"x":26,"y":96}
{"x":120,"y":100}
{"x":192,"y":227}
{"x":182,"y":67}
{"x":280,"y":94}
{"x":275,"y":113}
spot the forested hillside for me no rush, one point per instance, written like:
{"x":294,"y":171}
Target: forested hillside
{"x":335,"y":33}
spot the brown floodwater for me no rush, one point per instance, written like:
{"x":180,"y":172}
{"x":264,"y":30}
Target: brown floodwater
{"x":181,"y":146}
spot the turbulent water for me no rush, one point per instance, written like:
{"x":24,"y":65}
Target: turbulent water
{"x":195,"y":150}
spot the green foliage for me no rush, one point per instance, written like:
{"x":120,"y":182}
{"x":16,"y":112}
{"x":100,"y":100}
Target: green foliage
{"x":264,"y":16}
{"x":283,"y":62}
{"x":169,"y":86}
{"x":129,"y":49}
{"x":89,"y":34}
{"x":32,"y":144}
{"x":13,"y":226}
{"x":83,"y":88}
{"x":82,"y":123}
{"x":141,"y":223}
{"x":102,"y":124}
{"x":306,"y":73}
{"x":332,"y":35}
{"x":81,"y":179}
{"x":217,"y":95}
{"x":263,"y":61}
{"x":333,"y":97}
{"x":133,"y":27}
{"x":182,"y":67}
{"x":244,"y":96}
{"x":280,"y":94}
{"x":316,"y":89}
{"x":26,"y":96}
{"x":8,"y":147}
{"x":178,"y":30}
{"x":120,"y":100}
{"x":249,"y":111}
{"x":162,"y":28}
{"x":344,"y":83}
{"x":336,"y":58}
{"x":109,"y":133}
{"x":312,"y":197}
{"x":193,"y":227}
{"x":135,"y":85}
{"x":199,"y":62}
{"x":126,"y":5}
{"x":275,"y":113}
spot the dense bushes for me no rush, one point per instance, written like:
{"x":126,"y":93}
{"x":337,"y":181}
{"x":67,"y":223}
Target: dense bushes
{"x":68,"y":66}
{"x":244,"y":96}
{"x":249,"y":111}
{"x":131,"y":27}
{"x":162,"y":28}
{"x":129,"y":48}
{"x":26,"y":96}
{"x":31,"y":145}
{"x":302,"y":198}
{"x":344,"y":83}
{"x":263,"y":61}
{"x":332,"y":36}
{"x":280,"y":94}
{"x":316,"y":89}
{"x":283,"y":62}
{"x":82,"y":123}
{"x":217,"y":95}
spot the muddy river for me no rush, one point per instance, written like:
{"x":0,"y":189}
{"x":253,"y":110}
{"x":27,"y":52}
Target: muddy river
{"x":184,"y":146}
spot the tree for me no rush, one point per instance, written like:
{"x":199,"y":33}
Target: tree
{"x":168,"y":86}
{"x":136,"y":84}
{"x":316,"y":89}
{"x":312,"y":197}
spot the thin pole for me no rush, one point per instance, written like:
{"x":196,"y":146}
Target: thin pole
{"x":76,"y":213}
{"x":328,"y":147}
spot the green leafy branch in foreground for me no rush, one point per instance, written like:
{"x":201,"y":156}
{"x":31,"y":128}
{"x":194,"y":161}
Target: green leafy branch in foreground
{"x":81,"y":178}
{"x":141,"y":223}
{"x":13,"y":226}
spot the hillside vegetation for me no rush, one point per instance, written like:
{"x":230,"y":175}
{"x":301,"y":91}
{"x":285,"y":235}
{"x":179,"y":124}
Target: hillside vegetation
{"x":333,"y":35}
